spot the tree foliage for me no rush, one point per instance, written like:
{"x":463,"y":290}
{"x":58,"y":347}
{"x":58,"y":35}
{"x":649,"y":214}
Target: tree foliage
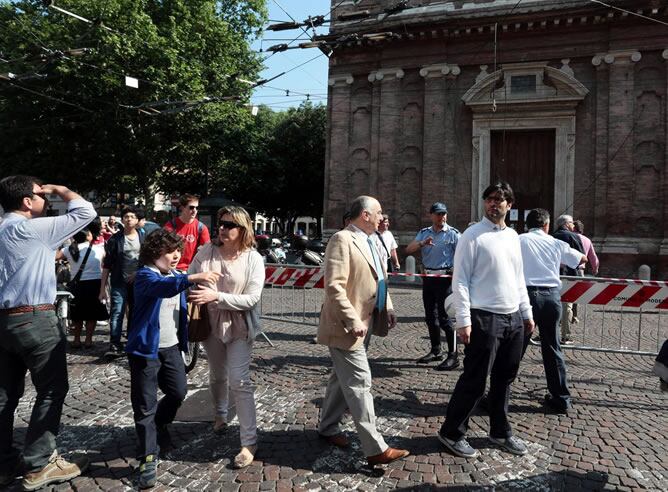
{"x":282,"y":172}
{"x":71,"y":118}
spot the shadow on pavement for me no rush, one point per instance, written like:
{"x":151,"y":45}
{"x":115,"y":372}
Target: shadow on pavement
{"x":566,"y":480}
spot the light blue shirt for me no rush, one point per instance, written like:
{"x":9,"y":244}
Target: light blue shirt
{"x":381,"y":289}
{"x":441,"y":254}
{"x":541,"y":256}
{"x":28,"y":252}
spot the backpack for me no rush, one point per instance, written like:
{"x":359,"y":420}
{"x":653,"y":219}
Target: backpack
{"x":200,"y":228}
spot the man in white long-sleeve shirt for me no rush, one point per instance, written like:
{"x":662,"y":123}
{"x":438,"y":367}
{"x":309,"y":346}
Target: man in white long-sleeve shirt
{"x":493,"y":313}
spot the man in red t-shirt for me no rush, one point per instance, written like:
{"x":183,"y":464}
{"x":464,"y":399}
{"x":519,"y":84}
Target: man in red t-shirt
{"x":186,"y":225}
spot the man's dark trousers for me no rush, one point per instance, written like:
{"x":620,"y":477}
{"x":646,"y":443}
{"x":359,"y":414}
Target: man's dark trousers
{"x":495,"y":348}
{"x":434,"y":292}
{"x":34,"y":342}
{"x":546,"y":306}
{"x":167,"y":372}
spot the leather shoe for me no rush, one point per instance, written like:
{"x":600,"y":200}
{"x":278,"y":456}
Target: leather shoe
{"x":452,"y":362}
{"x":388,"y":456}
{"x":339,"y":440}
{"x":553,"y":406}
{"x":430,"y":357}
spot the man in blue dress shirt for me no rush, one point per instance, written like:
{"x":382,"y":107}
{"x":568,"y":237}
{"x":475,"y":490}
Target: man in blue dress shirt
{"x":31,"y":338}
{"x":542,"y":256}
{"x":437,"y":245}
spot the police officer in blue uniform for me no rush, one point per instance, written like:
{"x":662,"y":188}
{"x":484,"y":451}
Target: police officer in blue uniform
{"x":437,"y":245}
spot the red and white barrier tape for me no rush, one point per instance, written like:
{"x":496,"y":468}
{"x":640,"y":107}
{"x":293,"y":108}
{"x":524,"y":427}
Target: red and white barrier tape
{"x":597,"y":291}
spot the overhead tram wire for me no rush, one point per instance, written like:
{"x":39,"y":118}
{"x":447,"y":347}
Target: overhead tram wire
{"x":630,"y":12}
{"x":40,"y":45}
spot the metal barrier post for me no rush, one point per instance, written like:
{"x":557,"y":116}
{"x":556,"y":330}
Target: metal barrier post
{"x":639,"y":329}
{"x":621,"y":330}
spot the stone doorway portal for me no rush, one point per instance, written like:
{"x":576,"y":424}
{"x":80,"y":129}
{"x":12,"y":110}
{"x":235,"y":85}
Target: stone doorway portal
{"x":524,"y":158}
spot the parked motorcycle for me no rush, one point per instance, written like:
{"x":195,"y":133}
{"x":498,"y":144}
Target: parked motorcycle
{"x":270,"y":249}
{"x":305,"y":252}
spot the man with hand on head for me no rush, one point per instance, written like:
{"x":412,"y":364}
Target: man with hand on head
{"x":31,"y":337}
{"x":356,"y":301}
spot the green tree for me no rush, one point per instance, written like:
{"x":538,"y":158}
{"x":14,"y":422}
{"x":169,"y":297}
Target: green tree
{"x":281,"y":171}
{"x":70,"y":117}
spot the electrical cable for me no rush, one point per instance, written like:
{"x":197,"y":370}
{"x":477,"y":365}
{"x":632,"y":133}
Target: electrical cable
{"x":629,"y":12}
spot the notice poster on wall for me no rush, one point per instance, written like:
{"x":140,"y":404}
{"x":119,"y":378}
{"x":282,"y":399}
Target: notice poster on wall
{"x":514,"y":214}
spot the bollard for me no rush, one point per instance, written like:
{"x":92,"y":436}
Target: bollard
{"x":644,"y":272}
{"x":410,"y":268}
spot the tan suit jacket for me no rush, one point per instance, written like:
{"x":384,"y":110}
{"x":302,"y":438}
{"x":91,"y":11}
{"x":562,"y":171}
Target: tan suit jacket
{"x":350,"y":292}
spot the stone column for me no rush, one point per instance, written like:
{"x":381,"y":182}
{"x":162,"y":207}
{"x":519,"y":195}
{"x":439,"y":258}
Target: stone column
{"x":621,"y":114}
{"x":336,"y":166}
{"x":601,"y":147}
{"x":386,"y":172}
{"x":664,"y":243}
{"x":438,"y":139}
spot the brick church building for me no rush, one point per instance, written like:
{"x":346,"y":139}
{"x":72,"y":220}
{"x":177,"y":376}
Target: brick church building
{"x":431,"y":100}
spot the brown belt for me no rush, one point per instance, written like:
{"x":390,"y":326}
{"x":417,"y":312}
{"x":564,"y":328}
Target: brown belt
{"x":28,"y":309}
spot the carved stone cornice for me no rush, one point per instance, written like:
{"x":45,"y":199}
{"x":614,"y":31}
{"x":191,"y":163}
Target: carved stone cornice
{"x":386,"y":73}
{"x":440,"y":70}
{"x":621,"y":57}
{"x":340,"y":78}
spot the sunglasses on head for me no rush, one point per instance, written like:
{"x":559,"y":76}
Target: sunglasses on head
{"x":226,"y":224}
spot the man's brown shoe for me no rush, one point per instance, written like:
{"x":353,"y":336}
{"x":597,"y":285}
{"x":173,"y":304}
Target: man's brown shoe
{"x":339,"y":440}
{"x":58,"y":469}
{"x":388,"y":456}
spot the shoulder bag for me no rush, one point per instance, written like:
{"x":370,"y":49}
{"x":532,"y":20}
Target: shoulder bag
{"x":73,"y":285}
{"x":199,"y":325}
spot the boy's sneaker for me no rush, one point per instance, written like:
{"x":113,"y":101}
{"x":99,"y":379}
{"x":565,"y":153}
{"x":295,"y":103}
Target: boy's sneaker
{"x":148,"y":472}
{"x":459,"y":448}
{"x":57,"y":470}
{"x":511,"y":444}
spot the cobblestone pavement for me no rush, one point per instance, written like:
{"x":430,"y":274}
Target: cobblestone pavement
{"x":616,"y":438}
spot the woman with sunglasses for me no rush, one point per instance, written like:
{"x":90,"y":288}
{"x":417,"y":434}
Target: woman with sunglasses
{"x":233,"y":308}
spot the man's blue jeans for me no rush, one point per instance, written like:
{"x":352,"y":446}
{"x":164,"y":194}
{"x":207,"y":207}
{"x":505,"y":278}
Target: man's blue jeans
{"x":34,"y":342}
{"x":546,"y":306}
{"x":121,"y":298}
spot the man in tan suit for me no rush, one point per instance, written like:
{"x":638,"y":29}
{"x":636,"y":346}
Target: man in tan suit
{"x":356,"y":301}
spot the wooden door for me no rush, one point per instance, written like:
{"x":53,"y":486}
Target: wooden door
{"x":525,"y":159}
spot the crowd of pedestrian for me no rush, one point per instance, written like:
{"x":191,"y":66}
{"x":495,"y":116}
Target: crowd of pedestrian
{"x":488,"y":287}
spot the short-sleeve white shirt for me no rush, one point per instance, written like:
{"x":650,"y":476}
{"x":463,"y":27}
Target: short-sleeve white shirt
{"x":542,"y":254}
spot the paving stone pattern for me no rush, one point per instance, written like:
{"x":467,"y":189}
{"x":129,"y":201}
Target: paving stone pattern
{"x":616,"y":438}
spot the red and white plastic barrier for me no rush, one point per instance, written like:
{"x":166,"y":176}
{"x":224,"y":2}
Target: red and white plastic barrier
{"x":615,"y":292}
{"x":581,"y":290}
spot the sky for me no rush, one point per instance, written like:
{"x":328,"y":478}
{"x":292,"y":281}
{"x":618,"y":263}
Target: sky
{"x":308,"y":79}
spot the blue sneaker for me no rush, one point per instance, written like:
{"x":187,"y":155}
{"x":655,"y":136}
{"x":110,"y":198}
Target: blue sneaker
{"x":148,"y":472}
